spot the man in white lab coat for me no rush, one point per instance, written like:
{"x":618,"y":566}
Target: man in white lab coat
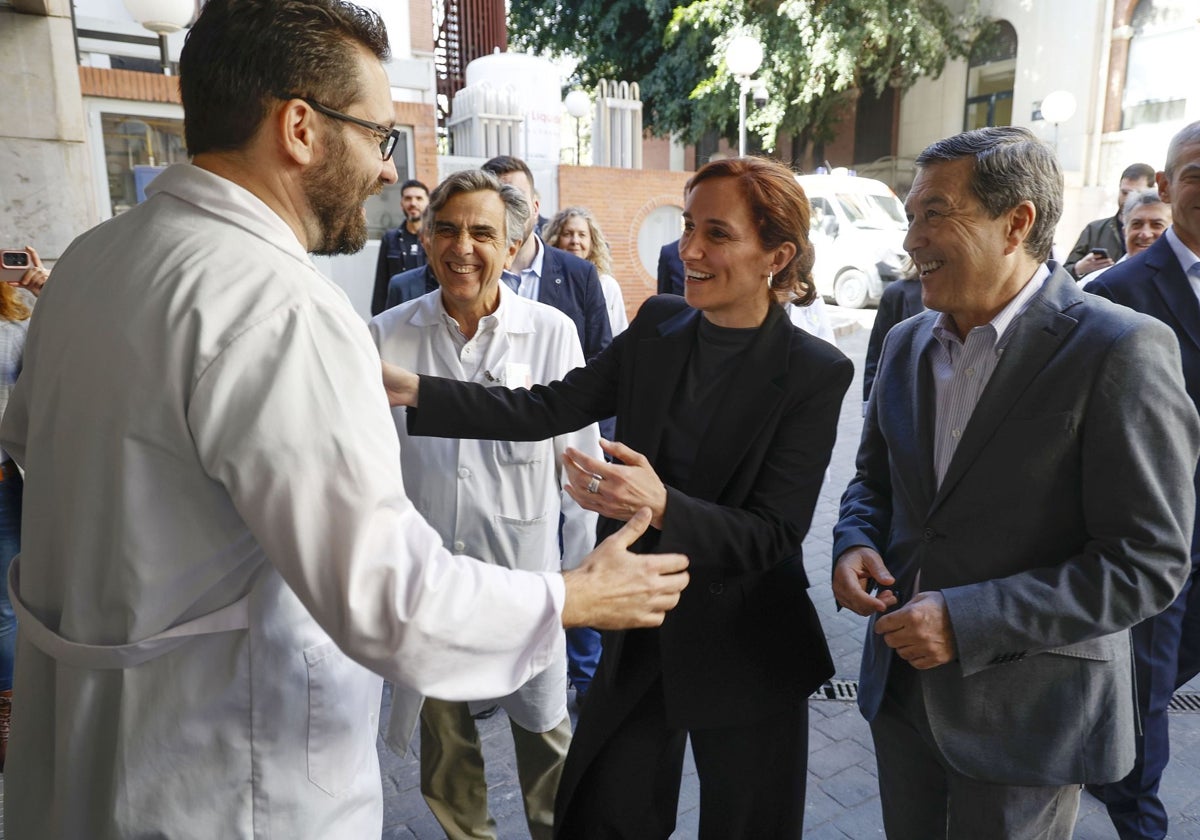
{"x":495,"y":500}
{"x":216,"y":541}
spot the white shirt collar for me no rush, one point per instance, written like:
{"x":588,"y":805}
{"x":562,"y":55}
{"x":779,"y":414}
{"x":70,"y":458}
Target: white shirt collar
{"x":944,"y":329}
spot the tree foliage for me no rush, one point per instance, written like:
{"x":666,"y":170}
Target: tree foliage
{"x":818,"y":53}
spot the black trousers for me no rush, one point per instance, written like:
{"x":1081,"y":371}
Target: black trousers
{"x":752,"y":777}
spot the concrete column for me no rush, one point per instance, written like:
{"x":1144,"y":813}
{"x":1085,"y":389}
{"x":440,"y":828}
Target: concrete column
{"x":45,"y":171}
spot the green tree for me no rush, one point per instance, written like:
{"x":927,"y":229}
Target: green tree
{"x":818,"y":54}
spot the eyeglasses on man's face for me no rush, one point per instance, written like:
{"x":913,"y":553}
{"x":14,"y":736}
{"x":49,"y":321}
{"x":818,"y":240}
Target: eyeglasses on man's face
{"x":388,"y":137}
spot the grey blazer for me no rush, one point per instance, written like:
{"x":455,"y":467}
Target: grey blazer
{"x":1064,"y":518}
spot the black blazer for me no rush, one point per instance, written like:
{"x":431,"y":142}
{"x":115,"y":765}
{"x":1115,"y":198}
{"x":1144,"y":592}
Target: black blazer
{"x":671,"y":274}
{"x":572,"y":285}
{"x":901,"y":299}
{"x":744,"y":641}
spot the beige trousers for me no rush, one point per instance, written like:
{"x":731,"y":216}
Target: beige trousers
{"x":452,"y":778}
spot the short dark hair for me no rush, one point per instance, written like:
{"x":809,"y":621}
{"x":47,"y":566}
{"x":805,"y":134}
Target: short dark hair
{"x":413,"y":182}
{"x":1010,"y":166}
{"x":241,"y":54}
{"x":507,"y":165}
{"x":781,"y":213}
{"x":1138,"y":172}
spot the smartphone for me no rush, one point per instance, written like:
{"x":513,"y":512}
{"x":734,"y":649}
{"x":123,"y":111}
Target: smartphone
{"x":13,"y":264}
{"x":1102,"y":253}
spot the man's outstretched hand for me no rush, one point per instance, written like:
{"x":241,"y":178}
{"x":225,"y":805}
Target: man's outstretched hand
{"x":615,"y":589}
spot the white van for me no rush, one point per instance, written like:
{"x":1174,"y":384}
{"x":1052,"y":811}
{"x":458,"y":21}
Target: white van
{"x":858,"y":227}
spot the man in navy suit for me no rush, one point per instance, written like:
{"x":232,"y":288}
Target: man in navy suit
{"x":671,"y":274}
{"x":551,"y":276}
{"x":1163,"y":281}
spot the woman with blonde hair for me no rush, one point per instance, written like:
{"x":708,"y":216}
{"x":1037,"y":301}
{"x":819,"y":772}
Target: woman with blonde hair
{"x":575,"y":230}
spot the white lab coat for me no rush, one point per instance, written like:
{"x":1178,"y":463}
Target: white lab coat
{"x":813,"y":319}
{"x":208,"y":448}
{"x":498,"y":501}
{"x":614,"y":302}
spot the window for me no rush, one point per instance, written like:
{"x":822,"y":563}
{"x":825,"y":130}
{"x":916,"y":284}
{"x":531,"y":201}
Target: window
{"x":991,"y":73}
{"x":1159,"y":71}
{"x":137,"y":148}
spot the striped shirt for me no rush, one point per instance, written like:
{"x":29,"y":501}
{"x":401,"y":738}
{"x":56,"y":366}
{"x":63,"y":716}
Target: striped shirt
{"x":961,"y":369}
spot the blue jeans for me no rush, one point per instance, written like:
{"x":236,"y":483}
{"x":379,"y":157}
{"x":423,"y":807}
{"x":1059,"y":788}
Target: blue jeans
{"x":10,"y":546}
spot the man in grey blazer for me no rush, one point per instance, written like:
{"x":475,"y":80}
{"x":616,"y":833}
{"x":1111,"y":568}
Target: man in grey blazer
{"x":1023,"y":497}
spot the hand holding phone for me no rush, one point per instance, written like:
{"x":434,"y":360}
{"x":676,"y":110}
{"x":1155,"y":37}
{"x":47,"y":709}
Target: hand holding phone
{"x":1102,"y":253}
{"x":14,"y":264}
{"x":22,"y":267}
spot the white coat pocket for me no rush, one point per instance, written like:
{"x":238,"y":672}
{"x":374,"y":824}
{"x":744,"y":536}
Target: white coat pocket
{"x":339,"y":698}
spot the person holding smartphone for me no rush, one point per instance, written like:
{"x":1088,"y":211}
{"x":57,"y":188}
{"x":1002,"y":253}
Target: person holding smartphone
{"x":1102,"y":241}
{"x":22,"y":267}
{"x":15,"y":308}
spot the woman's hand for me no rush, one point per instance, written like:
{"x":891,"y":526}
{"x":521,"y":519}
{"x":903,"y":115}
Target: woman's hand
{"x":615,"y":490}
{"x":401,"y":385}
{"x":35,"y":276}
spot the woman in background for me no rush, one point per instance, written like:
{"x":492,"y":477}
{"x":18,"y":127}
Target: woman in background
{"x":15,"y":309}
{"x":575,"y":230}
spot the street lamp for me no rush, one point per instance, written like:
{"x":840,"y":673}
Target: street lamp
{"x":578,"y":104}
{"x":743,"y":57}
{"x":1058,"y":107}
{"x":162,"y":17}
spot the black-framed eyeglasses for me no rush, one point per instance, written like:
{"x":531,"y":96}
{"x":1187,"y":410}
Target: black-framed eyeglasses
{"x":388,"y":137}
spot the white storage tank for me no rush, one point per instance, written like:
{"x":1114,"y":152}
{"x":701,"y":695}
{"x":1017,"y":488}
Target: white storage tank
{"x":534,"y":82}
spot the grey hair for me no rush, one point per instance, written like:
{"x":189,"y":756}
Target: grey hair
{"x":1011,"y":166}
{"x":516,"y":207}
{"x":1138,"y":199}
{"x":1189,"y":135}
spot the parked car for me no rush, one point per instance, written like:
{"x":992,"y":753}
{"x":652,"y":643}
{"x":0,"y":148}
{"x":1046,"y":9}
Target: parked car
{"x":858,"y":227}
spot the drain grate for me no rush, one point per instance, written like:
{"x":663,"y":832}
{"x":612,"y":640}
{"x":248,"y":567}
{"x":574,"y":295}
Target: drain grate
{"x":835,"y":689}
{"x":847,"y":691}
{"x":1184,"y":701}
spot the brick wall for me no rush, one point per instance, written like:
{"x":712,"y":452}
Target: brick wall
{"x":621,"y":199}
{"x":128,"y":84}
{"x":420,"y":26}
{"x":422,"y":120}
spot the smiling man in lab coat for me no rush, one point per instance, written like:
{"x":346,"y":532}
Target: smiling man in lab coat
{"x":495,"y":500}
{"x":217,"y":545}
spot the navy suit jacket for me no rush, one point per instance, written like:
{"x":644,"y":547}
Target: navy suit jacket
{"x":901,"y":299}
{"x":671,"y":273}
{"x":572,"y":285}
{"x":408,"y":285}
{"x":1154,"y":282}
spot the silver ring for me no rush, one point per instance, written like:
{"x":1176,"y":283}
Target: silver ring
{"x":594,"y":484}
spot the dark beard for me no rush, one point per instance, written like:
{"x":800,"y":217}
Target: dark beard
{"x":343,"y":230}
